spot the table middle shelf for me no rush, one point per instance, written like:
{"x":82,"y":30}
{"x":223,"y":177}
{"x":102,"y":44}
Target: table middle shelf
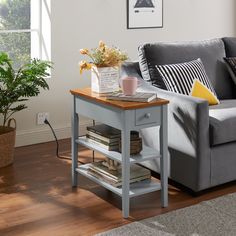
{"x":146,"y":154}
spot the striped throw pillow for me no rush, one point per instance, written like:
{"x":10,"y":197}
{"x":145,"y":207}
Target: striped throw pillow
{"x":179,"y":77}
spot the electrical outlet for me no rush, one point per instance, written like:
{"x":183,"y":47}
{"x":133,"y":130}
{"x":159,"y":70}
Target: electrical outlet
{"x":41,"y":116}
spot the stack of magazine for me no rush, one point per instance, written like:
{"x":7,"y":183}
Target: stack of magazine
{"x":109,"y":138}
{"x":114,"y":177}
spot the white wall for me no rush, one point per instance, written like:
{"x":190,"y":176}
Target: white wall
{"x":82,"y":23}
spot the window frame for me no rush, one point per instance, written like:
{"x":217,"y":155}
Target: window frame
{"x":40,"y":43}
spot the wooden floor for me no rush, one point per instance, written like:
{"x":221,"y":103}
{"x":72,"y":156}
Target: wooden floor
{"x":36,"y":197}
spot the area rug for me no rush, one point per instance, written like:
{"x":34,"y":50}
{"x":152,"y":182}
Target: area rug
{"x":215,"y":217}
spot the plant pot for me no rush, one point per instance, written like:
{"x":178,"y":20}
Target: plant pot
{"x":7,"y":143}
{"x":105,"y":79}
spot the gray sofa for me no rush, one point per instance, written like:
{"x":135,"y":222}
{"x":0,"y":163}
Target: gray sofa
{"x":202,"y":138}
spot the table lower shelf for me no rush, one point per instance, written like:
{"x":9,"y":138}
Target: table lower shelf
{"x":136,"y":189}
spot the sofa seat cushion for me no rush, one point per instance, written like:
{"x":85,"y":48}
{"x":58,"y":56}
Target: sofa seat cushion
{"x":223,"y":122}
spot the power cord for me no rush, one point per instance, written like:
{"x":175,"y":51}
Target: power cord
{"x":57,"y":143}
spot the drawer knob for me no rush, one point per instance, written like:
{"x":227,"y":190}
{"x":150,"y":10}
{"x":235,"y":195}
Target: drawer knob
{"x":147,"y":115}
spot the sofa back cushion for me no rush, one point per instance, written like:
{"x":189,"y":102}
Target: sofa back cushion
{"x":211,"y":53}
{"x":231,"y":65}
{"x":230,"y":46}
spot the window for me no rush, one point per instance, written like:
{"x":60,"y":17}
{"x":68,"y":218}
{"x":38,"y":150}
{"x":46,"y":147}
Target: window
{"x":25,"y":29}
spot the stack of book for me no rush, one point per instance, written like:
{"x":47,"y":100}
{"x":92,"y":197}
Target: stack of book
{"x":114,"y":177}
{"x":135,"y":144}
{"x":109,"y":138}
{"x":138,"y":97}
{"x":105,"y":136}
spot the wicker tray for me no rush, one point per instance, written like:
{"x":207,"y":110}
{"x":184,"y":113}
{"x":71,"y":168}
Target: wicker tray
{"x":7,"y":143}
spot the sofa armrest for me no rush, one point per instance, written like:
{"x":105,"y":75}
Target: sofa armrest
{"x":188,"y":120}
{"x":131,"y":69}
{"x":188,"y":138}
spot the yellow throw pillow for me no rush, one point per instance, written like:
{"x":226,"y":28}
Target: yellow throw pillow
{"x":199,"y":90}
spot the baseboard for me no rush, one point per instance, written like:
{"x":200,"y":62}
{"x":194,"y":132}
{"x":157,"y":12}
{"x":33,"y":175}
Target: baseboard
{"x":29,"y":137}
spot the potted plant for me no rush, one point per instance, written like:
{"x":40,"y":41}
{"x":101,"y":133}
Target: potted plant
{"x":16,"y":86}
{"x":104,"y":66}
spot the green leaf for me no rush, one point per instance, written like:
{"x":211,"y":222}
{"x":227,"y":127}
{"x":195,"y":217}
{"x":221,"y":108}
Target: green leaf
{"x":17,"y":86}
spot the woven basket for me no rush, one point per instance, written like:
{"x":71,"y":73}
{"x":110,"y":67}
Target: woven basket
{"x":7,"y":143}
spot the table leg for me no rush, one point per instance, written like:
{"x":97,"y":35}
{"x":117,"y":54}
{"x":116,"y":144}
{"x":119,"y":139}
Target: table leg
{"x":125,"y":171}
{"x":74,"y":145}
{"x":164,"y":157}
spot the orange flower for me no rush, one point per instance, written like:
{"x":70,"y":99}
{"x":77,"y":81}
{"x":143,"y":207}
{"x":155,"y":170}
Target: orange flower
{"x":84,"y":51}
{"x":101,"y":44}
{"x":102,"y":56}
{"x":84,"y":66}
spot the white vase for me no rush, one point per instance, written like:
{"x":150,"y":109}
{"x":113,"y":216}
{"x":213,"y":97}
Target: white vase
{"x":105,"y":79}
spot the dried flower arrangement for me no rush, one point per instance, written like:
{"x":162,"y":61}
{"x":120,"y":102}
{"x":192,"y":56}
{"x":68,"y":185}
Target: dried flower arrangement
{"x":102,"y":56}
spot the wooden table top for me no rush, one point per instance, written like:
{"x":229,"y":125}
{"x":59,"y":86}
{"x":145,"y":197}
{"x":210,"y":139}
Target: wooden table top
{"x":124,"y":105}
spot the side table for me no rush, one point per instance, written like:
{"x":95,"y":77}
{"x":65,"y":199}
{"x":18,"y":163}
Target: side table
{"x":125,"y":116}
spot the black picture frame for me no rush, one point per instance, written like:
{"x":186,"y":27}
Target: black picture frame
{"x":146,"y":9}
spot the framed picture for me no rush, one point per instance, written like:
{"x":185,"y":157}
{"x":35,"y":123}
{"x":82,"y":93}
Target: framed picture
{"x":144,"y":14}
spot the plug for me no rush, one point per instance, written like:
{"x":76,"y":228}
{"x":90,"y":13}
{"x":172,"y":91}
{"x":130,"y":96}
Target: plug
{"x":46,"y":121}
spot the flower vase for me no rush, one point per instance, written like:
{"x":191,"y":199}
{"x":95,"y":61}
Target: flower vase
{"x":105,"y":79}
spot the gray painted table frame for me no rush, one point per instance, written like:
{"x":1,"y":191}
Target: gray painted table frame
{"x":125,"y":120}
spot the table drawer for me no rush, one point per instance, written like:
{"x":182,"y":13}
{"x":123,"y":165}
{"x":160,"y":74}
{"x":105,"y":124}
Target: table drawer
{"x":147,"y":116}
